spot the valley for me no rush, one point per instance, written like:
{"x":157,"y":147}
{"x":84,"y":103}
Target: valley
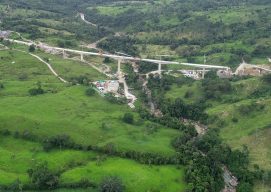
{"x":135,"y":96}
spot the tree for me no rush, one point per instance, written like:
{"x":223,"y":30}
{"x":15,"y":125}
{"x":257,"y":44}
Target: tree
{"x":266,"y":78}
{"x":106,"y":60}
{"x":42,"y":177}
{"x":90,"y":91}
{"x":16,"y":186}
{"x":128,"y":118}
{"x":111,"y":184}
{"x":245,"y":187}
{"x":1,"y":86}
{"x":32,"y":48}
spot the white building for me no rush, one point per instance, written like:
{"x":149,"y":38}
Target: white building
{"x":112,"y":86}
{"x":4,"y":34}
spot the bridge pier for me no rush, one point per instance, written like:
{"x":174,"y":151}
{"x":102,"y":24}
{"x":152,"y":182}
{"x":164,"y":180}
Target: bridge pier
{"x":203,"y":73}
{"x":82,"y":57}
{"x":119,"y":69}
{"x":63,"y":54}
{"x":159,"y":69}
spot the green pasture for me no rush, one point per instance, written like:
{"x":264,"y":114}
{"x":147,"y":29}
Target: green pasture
{"x":20,"y":155}
{"x":65,"y":109}
{"x":68,"y":69}
{"x":136,"y":177}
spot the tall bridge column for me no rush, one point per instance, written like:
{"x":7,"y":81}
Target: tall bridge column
{"x":82,"y":57}
{"x":119,"y":69}
{"x":63,"y":54}
{"x":203,"y":73}
{"x":159,"y":69}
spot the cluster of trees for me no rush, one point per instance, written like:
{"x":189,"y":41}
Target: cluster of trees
{"x":42,"y":177}
{"x":215,"y":88}
{"x":132,"y":78}
{"x":177,"y":108}
{"x":82,"y":80}
{"x":247,"y":109}
{"x":66,"y":43}
{"x":180,"y":109}
{"x":124,"y":44}
{"x":58,"y":12}
{"x":115,"y":100}
{"x":204,"y":158}
{"x":58,"y":141}
{"x":264,"y":90}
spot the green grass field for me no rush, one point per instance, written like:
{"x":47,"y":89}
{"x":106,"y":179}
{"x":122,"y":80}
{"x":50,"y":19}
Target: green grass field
{"x":137,"y":177}
{"x":17,"y":156}
{"x":66,"y":109}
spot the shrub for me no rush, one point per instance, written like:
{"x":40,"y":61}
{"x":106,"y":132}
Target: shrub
{"x":106,"y":60}
{"x":32,"y":48}
{"x":58,"y":141}
{"x":111,"y":184}
{"x":116,"y":100}
{"x":128,"y":118}
{"x":90,"y":91}
{"x":2,"y":86}
{"x":16,"y":186}
{"x":235,"y":120}
{"x":250,"y":108}
{"x":267,"y":78}
{"x":188,"y":94}
{"x":5,"y":132}
{"x":23,"y":77}
{"x":42,"y":177}
{"x":36,"y":91}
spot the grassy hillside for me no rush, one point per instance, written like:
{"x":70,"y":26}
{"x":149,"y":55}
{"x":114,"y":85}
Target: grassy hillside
{"x":224,"y":31}
{"x":244,"y":119}
{"x":19,"y":155}
{"x":89,"y":121}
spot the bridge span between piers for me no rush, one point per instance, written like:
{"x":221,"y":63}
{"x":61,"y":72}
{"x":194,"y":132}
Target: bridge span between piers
{"x":119,"y":58}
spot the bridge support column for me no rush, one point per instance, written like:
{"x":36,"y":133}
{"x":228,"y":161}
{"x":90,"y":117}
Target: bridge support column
{"x":82,"y":57}
{"x":203,"y":73}
{"x":160,"y":69}
{"x":119,"y":69}
{"x":64,"y":54}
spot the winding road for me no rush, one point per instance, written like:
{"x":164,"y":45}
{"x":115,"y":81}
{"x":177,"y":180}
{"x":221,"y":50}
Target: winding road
{"x":82,"y":16}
